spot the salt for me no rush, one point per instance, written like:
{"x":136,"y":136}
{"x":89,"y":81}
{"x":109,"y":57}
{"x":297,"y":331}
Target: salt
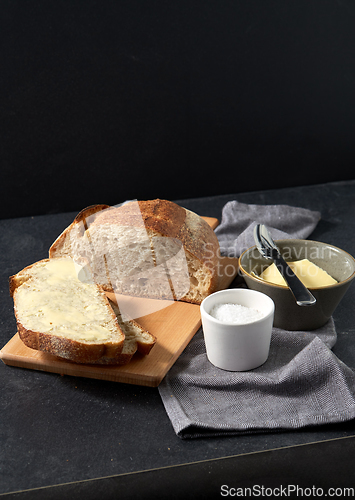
{"x":235,"y":313}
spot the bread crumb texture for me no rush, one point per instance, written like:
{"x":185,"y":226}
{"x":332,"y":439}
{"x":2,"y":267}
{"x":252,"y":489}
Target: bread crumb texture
{"x":60,"y":310}
{"x":54,"y":300}
{"x":153,"y":248}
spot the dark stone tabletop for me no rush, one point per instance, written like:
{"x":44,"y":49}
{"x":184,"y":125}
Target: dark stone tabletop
{"x":59,"y":430}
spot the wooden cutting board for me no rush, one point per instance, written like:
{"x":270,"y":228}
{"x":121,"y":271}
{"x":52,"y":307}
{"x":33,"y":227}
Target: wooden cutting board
{"x":173,"y":326}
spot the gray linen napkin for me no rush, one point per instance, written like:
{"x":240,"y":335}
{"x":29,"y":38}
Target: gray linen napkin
{"x":235,"y":232}
{"x":302,"y":383}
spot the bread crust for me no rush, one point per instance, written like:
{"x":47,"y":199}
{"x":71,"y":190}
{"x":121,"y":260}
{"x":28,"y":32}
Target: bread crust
{"x":79,"y":352}
{"x":22,"y":276}
{"x":160,"y":218}
{"x":144,"y":347}
{"x":166,"y":218}
{"x":69,"y":349}
{"x":82,"y":216}
{"x":108,"y":353}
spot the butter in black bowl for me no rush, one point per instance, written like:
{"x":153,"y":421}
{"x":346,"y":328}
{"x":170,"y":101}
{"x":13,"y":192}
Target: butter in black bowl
{"x":337,"y":263}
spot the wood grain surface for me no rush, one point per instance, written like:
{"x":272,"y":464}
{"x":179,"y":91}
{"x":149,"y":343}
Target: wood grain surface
{"x":174,"y":326}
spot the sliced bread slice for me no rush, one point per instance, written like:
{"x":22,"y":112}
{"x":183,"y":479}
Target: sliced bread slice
{"x":60,"y":310}
{"x":137,"y":339}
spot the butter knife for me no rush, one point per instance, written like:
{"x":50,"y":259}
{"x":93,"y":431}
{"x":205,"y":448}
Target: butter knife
{"x":269,"y":250}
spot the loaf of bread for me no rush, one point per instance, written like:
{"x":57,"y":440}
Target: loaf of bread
{"x":60,"y":310}
{"x":154,"y":249}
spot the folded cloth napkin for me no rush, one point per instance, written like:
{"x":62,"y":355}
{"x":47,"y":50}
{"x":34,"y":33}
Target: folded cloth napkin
{"x":235,"y":232}
{"x":302,"y":383}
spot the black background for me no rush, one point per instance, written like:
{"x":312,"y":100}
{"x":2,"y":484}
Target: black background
{"x":102,"y":101}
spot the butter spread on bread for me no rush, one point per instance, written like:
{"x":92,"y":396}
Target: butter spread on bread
{"x":60,"y":310}
{"x":153,"y":248}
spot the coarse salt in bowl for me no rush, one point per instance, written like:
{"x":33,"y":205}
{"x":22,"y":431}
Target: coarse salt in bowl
{"x":235,"y":313}
{"x":237,"y":325}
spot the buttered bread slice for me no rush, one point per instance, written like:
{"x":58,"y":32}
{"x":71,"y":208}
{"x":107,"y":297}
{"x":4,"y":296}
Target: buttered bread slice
{"x":60,"y":310}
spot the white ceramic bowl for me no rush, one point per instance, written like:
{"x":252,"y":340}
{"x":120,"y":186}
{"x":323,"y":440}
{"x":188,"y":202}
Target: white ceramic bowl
{"x":238,"y":347}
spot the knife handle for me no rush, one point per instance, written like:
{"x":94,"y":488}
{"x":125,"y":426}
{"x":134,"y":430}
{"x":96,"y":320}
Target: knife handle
{"x":302,"y":295}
